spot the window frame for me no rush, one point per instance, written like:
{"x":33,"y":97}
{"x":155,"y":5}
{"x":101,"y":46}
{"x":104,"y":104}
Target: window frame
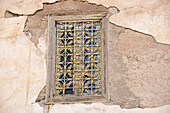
{"x":51,"y":43}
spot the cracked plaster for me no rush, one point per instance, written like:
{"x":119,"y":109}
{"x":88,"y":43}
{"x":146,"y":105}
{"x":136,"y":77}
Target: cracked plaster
{"x":12,"y":40}
{"x":148,"y":64}
{"x":153,"y":15}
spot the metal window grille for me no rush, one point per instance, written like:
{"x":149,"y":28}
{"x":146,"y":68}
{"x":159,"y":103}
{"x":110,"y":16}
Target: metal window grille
{"x":78,"y":59}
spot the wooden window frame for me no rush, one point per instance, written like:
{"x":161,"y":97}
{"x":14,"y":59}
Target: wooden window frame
{"x":50,"y":80}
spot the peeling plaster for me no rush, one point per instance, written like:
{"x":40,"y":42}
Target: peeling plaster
{"x":12,"y":27}
{"x":116,"y":19}
{"x":139,"y":19}
{"x":153,"y":9}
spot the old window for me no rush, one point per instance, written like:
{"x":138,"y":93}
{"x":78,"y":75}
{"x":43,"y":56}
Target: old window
{"x":77,"y":59}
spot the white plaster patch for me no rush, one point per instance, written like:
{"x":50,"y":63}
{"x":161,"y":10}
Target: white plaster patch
{"x":141,"y":20}
{"x":12,"y":27}
{"x":101,"y":108}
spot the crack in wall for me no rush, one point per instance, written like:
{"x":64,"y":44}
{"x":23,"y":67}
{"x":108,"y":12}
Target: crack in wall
{"x":113,"y":10}
{"x":28,"y":78}
{"x":138,"y":7}
{"x":31,"y":36}
{"x":146,"y":56}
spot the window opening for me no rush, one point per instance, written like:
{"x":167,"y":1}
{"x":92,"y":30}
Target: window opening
{"x":78,"y":58}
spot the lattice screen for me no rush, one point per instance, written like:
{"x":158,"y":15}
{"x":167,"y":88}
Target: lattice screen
{"x":78,"y":58}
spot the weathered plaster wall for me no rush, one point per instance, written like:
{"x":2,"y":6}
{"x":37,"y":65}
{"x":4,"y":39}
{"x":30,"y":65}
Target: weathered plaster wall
{"x":150,"y":17}
{"x":144,"y":16}
{"x":148,"y":66}
{"x":138,"y":66}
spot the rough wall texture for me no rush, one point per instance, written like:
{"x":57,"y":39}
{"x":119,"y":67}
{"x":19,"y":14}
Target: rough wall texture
{"x":138,"y":69}
{"x":139,"y":73}
{"x":150,"y":17}
{"x":119,"y":92}
{"x":148,"y":65}
{"x":37,"y":24}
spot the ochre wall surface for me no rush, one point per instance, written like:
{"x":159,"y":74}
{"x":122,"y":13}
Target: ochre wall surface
{"x":139,"y":56}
